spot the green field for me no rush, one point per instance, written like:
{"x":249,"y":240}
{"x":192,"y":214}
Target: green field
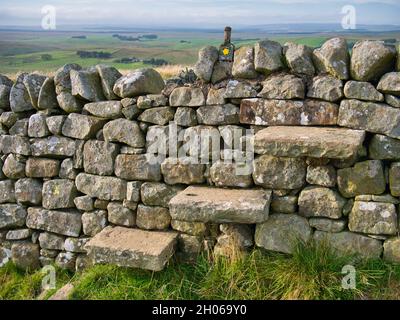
{"x":22,"y":51}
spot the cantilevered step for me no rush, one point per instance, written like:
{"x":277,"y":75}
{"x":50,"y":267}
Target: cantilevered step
{"x":206,"y":204}
{"x":134,"y":248}
{"x":316,"y":142}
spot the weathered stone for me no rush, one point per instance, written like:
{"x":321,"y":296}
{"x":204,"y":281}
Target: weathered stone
{"x":384,"y":148}
{"x":239,"y":89}
{"x":59,"y":194}
{"x":86,"y":84}
{"x":104,"y":109}
{"x":320,"y":202}
{"x":205,"y":204}
{"x":309,"y":141}
{"x":119,"y":215}
{"x":362,"y":91}
{"x":75,"y":244}
{"x":139,"y":82}
{"x":371,"y":59}
{"x":51,"y":241}
{"x":185,"y":116}
{"x":93,"y":222}
{"x":15,"y":144}
{"x":392,"y":100}
{"x":124,"y":131}
{"x":5,"y":256}
{"x":55,"y":123}
{"x":66,"y":260}
{"x":243,"y":63}
{"x":18,"y":234}
{"x":101,"y":204}
{"x":373,"y":218}
{"x":14,"y":167}
{"x":327,"y":225}
{"x":42,"y":168}
{"x":130,"y":204}
{"x":321,"y":175}
{"x":231,"y":174}
{"x":222,"y":70}
{"x":158,"y":139}
{"x":133,"y":191}
{"x":99,"y":157}
{"x":158,"y":115}
{"x":186,"y":97}
{"x":53,"y":147}
{"x":284,"y":204}
{"x":12,"y":215}
{"x":387,"y":198}
{"x":20,"y":128}
{"x":333,"y":58}
{"x":25,"y":255}
{"x":325,"y":88}
{"x":394,"y":179}
{"x":62,"y":79}
{"x":108,"y":76}
{"x":152,"y":218}
{"x":391,"y":250}
{"x":67,"y":223}
{"x":29,"y":191}
{"x":298,"y":58}
{"x":218,"y":114}
{"x":9,"y":118}
{"x":281,"y":231}
{"x":151,"y":100}
{"x":191,"y":228}
{"x":33,"y":82}
{"x":37,"y":127}
{"x":158,"y":194}
{"x":283,"y":86}
{"x":201,"y":142}
{"x":105,"y":188}
{"x":241,"y":234}
{"x":189,"y":247}
{"x":67,"y":170}
{"x":390,"y":83}
{"x":348,"y":243}
{"x":69,"y":103}
{"x":365,"y":177}
{"x":19,"y":97}
{"x":80,"y":126}
{"x":142,"y":167}
{"x":205,"y":63}
{"x":216,"y":96}
{"x":287,"y":112}
{"x":84,"y":203}
{"x":7,"y":193}
{"x":5,"y":96}
{"x":369,"y":116}
{"x":268,"y":57}
{"x":279,"y":173}
{"x":47,"y":99}
{"x":182,"y":171}
{"x":133,"y":248}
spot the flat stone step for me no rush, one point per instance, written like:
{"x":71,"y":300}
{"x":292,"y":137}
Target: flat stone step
{"x":207,"y":204}
{"x":126,"y":247}
{"x":315,"y":142}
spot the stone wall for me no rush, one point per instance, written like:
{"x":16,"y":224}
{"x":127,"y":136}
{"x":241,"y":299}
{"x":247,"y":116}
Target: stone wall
{"x":292,"y":142}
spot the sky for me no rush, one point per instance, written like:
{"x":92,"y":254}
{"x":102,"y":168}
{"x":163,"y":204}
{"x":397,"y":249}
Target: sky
{"x":196,"y":13}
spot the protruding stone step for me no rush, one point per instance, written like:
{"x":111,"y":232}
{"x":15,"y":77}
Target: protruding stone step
{"x":206,"y":204}
{"x":134,"y":248}
{"x":334,"y":143}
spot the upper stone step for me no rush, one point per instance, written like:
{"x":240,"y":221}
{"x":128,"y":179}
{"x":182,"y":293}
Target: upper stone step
{"x":315,"y":142}
{"x":206,"y":204}
{"x":134,"y":248}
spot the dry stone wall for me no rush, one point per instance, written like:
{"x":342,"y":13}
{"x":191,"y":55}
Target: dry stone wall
{"x":285,"y":142}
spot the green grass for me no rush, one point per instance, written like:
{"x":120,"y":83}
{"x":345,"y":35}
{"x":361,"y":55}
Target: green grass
{"x":312,"y":272}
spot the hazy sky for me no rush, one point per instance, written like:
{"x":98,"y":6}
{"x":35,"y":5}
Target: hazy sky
{"x":196,"y":13}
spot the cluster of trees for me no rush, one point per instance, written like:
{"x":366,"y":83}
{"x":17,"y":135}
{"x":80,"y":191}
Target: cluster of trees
{"x":127,"y":60}
{"x":130,"y":38}
{"x":46,"y":57}
{"x":152,"y":61}
{"x":78,"y":37}
{"x":94,"y":54}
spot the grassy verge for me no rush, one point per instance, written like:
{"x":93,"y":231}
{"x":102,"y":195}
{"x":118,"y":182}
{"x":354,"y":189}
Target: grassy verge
{"x":312,"y":272}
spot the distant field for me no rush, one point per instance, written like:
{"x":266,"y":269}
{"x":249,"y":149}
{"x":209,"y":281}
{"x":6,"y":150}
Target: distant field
{"x":22,"y":51}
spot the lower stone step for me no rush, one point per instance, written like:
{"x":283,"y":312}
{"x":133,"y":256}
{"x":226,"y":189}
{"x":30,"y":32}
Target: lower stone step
{"x":315,"y":142}
{"x":207,"y":204}
{"x":126,"y":247}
